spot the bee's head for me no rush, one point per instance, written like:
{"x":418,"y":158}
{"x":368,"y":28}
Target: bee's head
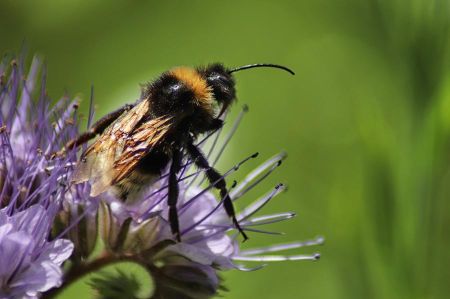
{"x":201,"y":94}
{"x":221,"y":81}
{"x":207,"y":90}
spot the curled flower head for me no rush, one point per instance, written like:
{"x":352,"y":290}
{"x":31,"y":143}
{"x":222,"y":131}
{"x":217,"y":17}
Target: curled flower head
{"x":30,"y":131}
{"x":31,"y":187}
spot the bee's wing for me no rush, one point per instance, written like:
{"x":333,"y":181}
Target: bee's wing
{"x":97,"y":163}
{"x":140,"y":143}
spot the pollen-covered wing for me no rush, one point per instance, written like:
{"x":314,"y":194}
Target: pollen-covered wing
{"x":117,"y":151}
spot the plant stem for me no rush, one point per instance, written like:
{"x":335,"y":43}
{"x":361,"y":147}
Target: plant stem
{"x":78,"y":271}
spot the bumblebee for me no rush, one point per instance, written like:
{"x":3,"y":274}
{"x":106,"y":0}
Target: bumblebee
{"x":137,"y":142}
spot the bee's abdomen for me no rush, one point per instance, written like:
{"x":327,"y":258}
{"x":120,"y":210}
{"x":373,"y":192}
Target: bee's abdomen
{"x":131,"y":187}
{"x":154,"y":162}
{"x":148,"y":170}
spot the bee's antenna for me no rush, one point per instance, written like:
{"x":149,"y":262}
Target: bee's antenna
{"x":249,"y":66}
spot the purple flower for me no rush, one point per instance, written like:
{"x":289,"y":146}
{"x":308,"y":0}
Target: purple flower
{"x":30,"y":132}
{"x":30,"y":264}
{"x":31,"y":185}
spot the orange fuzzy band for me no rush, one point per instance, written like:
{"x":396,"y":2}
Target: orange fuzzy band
{"x":196,"y":83}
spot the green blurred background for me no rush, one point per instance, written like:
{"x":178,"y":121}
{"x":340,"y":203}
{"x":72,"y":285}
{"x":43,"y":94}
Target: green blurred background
{"x":366,"y":120}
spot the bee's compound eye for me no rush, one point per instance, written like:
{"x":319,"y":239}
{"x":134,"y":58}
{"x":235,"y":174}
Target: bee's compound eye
{"x":217,"y":79}
{"x":223,"y":86}
{"x":214,"y":77}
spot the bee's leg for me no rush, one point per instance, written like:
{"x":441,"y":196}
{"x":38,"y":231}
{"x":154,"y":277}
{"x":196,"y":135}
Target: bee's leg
{"x":173,"y":194}
{"x":96,"y":128}
{"x":214,"y":177}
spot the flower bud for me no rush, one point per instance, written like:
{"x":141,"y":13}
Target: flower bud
{"x":82,"y":221}
{"x":121,"y":233}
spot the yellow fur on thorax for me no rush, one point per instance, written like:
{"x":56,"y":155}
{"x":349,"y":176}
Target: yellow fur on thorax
{"x":190,"y":77}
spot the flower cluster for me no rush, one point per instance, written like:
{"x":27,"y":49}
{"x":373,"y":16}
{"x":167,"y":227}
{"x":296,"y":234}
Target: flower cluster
{"x":31,"y":188}
{"x":41,"y":210}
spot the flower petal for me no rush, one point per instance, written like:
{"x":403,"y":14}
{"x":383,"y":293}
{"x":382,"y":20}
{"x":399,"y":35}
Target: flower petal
{"x":57,"y":251}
